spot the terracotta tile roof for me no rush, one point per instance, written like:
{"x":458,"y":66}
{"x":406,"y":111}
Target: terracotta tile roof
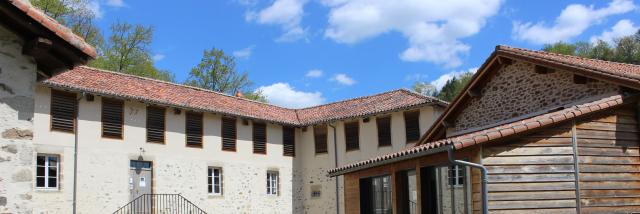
{"x":368,"y":105}
{"x":107,"y":83}
{"x":60,"y":30}
{"x":620,"y":71}
{"x":489,"y":134}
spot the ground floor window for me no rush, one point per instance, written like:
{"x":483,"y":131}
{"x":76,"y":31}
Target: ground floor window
{"x":215,"y":181}
{"x":47,"y":170}
{"x":375,"y":195}
{"x":272,"y":183}
{"x":456,"y":175}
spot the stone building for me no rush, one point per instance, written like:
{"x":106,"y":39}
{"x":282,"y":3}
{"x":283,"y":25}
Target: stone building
{"x":554,"y":134}
{"x":93,"y":141}
{"x":32,"y":46}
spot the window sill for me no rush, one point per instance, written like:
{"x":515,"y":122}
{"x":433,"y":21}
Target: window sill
{"x":42,"y":189}
{"x":212,"y":195}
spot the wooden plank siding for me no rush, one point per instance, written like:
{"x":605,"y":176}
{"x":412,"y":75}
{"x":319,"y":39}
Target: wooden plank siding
{"x":531,"y":174}
{"x":609,"y":162}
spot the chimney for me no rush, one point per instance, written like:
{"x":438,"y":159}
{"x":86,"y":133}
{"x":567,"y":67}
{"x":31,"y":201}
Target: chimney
{"x":239,"y":94}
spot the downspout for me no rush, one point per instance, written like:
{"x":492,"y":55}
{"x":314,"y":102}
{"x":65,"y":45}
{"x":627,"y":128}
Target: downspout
{"x":335,"y":158}
{"x":483,"y":171}
{"x":75,"y":152}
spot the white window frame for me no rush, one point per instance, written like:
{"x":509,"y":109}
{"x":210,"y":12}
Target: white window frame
{"x":46,"y":175}
{"x":272,"y":182}
{"x":214,"y":181}
{"x":458,"y":174}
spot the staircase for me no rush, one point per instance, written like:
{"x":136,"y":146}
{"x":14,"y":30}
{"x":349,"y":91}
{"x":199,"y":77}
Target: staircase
{"x":160,"y":204}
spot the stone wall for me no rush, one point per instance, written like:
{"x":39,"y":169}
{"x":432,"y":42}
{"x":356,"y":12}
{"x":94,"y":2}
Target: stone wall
{"x":528,"y":91}
{"x":17,"y":82}
{"x":103,"y":163}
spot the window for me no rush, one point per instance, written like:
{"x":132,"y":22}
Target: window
{"x":384,"y":131}
{"x":228,"y":134}
{"x":155,"y":124}
{"x":375,"y":195}
{"x":352,"y":138}
{"x":63,"y":111}
{"x":456,"y":175}
{"x":112,"y":118}
{"x":289,"y":141}
{"x":272,"y":183}
{"x":215,"y":181}
{"x":47,"y":170}
{"x":412,"y":125}
{"x":193,"y":128}
{"x":320,"y":138}
{"x":259,"y":138}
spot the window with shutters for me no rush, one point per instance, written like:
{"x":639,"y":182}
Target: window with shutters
{"x":272,"y":182}
{"x":228,"y":134}
{"x":320,"y":138}
{"x":384,"y":131}
{"x":352,"y":136}
{"x":289,"y":141}
{"x":412,"y":125}
{"x":259,"y":138}
{"x":112,"y":118}
{"x":214,"y":180}
{"x":63,"y":111}
{"x":193,"y":129}
{"x":47,"y":171}
{"x":155,"y":124}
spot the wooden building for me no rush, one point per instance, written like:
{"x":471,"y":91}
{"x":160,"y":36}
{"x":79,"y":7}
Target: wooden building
{"x":555,"y":133}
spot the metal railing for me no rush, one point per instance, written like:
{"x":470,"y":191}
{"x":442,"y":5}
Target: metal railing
{"x":160,"y":204}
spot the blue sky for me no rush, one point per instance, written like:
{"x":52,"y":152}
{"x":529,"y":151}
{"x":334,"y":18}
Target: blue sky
{"x":308,"y":52}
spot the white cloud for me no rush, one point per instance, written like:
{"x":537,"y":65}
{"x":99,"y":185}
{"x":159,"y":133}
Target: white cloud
{"x":283,"y":94}
{"x":439,"y":83}
{"x":116,"y":3}
{"x":432,"y":28}
{"x":315,"y":73}
{"x":158,"y":57}
{"x":95,"y":8}
{"x":285,"y":13}
{"x":244,"y":53}
{"x":573,"y":20}
{"x":343,"y":79}
{"x":623,"y":28}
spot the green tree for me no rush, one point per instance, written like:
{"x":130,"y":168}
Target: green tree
{"x":75,"y":14}
{"x":127,"y":51}
{"x":424,"y":88}
{"x":454,"y":86}
{"x":217,"y":72}
{"x":561,"y":48}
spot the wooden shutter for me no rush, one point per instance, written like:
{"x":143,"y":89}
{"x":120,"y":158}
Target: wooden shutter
{"x":320,"y":138}
{"x":412,"y":125}
{"x":155,"y":124}
{"x":228,"y":134}
{"x":63,"y":111}
{"x":193,"y":128}
{"x":259,"y":138}
{"x":289,"y":141}
{"x":112,"y":118}
{"x":351,"y":133}
{"x":384,"y":131}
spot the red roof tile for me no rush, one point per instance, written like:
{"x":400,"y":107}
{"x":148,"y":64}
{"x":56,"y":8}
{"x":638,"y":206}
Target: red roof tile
{"x":621,"y":71}
{"x":489,"y":134}
{"x":101,"y":82}
{"x":60,"y":30}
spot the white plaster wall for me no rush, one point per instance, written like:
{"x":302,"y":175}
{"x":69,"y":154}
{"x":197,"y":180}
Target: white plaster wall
{"x":313,"y":168}
{"x":103,"y":165}
{"x":17,"y":82}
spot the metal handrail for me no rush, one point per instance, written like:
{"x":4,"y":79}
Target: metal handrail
{"x":160,"y":204}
